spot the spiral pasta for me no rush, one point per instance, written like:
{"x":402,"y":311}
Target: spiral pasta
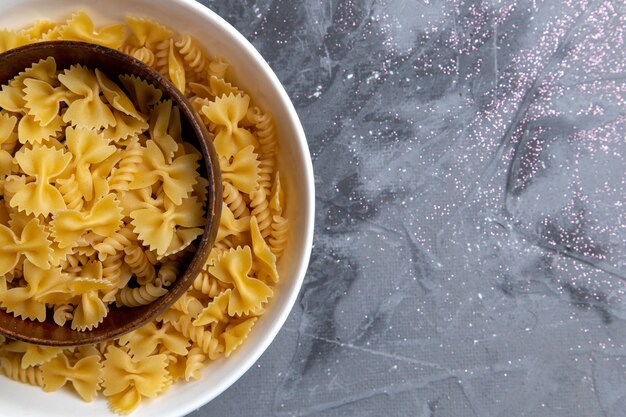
{"x":218,"y":68}
{"x":235,"y":201}
{"x":278,"y":236}
{"x":112,"y":270}
{"x":71,"y":193}
{"x":10,"y":367}
{"x":168,"y":273}
{"x":201,"y":336}
{"x":135,"y":297}
{"x":194,"y":363}
{"x":195,"y":59}
{"x":128,"y":167}
{"x":145,"y":55}
{"x":260,"y":210}
{"x":161,"y":56}
{"x":139,"y":264}
{"x":207,"y":284}
{"x":63,"y":313}
{"x":121,"y":239}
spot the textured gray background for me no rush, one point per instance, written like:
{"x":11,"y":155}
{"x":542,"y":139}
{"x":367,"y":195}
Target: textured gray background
{"x":470,"y":250}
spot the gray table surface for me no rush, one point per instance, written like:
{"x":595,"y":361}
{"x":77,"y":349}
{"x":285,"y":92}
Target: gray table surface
{"x":470,"y":248}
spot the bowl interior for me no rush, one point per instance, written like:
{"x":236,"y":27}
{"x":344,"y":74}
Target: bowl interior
{"x":253,"y":74}
{"x":119,"y":320}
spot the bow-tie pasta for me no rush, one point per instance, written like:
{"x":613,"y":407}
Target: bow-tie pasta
{"x":66,"y":245}
{"x":102,"y":203}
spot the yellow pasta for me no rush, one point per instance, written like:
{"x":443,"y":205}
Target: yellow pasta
{"x":33,"y":355}
{"x":178,"y":177}
{"x":41,"y":164}
{"x":10,"y":39}
{"x":126,"y":380}
{"x":64,"y":233}
{"x":81,"y":28}
{"x":243,"y":171}
{"x":123,"y":203}
{"x":227,"y":112}
{"x":249,"y":293}
{"x":84,"y":375}
{"x":89,"y":111}
{"x":193,"y":55}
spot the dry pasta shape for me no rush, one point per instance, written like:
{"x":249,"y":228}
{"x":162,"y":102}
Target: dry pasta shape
{"x":193,"y":363}
{"x":12,"y":94}
{"x":12,"y":98}
{"x":262,"y":252}
{"x":88,"y":147}
{"x":219,"y":87}
{"x":43,"y":101}
{"x":126,"y":380}
{"x":80,"y":27}
{"x":235,"y":335}
{"x":44,"y":164}
{"x":125,"y":127}
{"x":143,"y":94}
{"x":161,"y":118}
{"x":39,"y":29}
{"x":101,"y":174}
{"x":176,"y":68}
{"x":227,"y":112}
{"x":243,"y":171}
{"x":104,"y":218}
{"x":10,"y":39}
{"x":18,"y":219}
{"x":148,"y":32}
{"x":145,"y":340}
{"x":277,"y":200}
{"x":193,"y":55}
{"x":188,"y":304}
{"x":7,"y":135}
{"x":33,"y":244}
{"x":115,"y":96}
{"x":23,"y":301}
{"x":215,"y":311}
{"x":229,"y":225}
{"x":135,"y":297}
{"x":156,"y":227}
{"x":218,"y":68}
{"x":182,"y":239}
{"x":89,"y":110}
{"x":10,"y":367}
{"x":145,"y":55}
{"x":42,"y":70}
{"x":91,"y":309}
{"x":178,"y":177}
{"x":63,"y":313}
{"x":84,"y":375}
{"x":32,"y":132}
{"x":33,"y":355}
{"x":249,"y":293}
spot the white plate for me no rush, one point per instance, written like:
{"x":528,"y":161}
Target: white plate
{"x":256,"y":77}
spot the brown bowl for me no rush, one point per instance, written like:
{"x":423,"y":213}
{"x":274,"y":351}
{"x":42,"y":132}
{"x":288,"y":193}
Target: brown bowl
{"x":119,"y":320}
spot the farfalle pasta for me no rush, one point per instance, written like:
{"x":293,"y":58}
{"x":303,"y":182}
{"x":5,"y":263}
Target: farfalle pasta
{"x":89,"y":226}
{"x":62,"y":196}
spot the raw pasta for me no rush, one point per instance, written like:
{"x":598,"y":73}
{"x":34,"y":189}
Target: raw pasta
{"x":160,"y":213}
{"x":61,"y":197}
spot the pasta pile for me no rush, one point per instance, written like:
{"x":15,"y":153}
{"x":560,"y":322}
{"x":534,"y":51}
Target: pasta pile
{"x":219,"y":310}
{"x":94,"y":195}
